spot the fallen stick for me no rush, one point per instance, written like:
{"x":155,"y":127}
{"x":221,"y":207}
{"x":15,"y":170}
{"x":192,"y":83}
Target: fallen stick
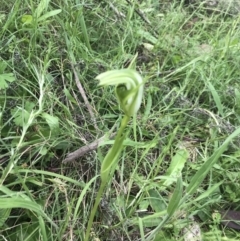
{"x":85,"y":149}
{"x":82,"y":92}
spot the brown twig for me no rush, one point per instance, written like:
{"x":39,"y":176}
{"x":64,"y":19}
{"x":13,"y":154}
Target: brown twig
{"x":82,"y":92}
{"x":119,"y":14}
{"x":85,"y":149}
{"x":140,"y":13}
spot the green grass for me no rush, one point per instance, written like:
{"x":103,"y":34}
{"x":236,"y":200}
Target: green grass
{"x":190,"y":61}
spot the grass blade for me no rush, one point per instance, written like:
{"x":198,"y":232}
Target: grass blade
{"x":203,"y":171}
{"x":18,"y":202}
{"x":176,"y":166}
{"x":216,"y":98}
{"x":49,"y":14}
{"x":176,"y":198}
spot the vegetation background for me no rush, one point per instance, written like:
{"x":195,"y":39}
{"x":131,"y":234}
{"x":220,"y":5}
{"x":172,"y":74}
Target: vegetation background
{"x":189,"y":57}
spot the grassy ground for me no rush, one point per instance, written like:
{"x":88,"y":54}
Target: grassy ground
{"x":190,"y":61}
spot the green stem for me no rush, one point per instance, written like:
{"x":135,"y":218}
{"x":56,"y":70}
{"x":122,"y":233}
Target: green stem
{"x":124,"y":123}
{"x":94,"y":210}
{"x":104,"y":184}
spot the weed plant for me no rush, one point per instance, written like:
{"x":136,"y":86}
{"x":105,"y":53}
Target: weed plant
{"x":180,"y":163}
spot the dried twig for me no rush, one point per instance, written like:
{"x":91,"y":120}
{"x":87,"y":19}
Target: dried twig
{"x":82,"y":92}
{"x":140,"y":13}
{"x":85,"y":149}
{"x":119,"y":14}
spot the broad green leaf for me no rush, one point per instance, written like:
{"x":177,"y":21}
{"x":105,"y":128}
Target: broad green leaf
{"x":129,"y":142}
{"x":237,"y":96}
{"x":156,"y":201}
{"x":178,"y":162}
{"x":69,"y":96}
{"x":27,"y":19}
{"x":21,"y":115}
{"x":160,"y":225}
{"x":205,"y":168}
{"x":176,"y":198}
{"x":143,"y":205}
{"x":5,"y":78}
{"x":147,"y":108}
{"x":208,"y":192}
{"x":164,"y":235}
{"x":148,"y":36}
{"x":3,"y":66}
{"x":3,"y":16}
{"x":43,"y":151}
{"x":176,"y":166}
{"x":148,"y":222}
{"x":84,"y":29}
{"x":4,"y":214}
{"x":53,"y":123}
{"x":42,"y":6}
{"x":49,"y":14}
{"x":176,"y":58}
{"x":216,"y":98}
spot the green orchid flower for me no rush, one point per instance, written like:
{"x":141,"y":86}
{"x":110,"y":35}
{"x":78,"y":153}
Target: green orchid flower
{"x":129,"y":92}
{"x":129,"y":88}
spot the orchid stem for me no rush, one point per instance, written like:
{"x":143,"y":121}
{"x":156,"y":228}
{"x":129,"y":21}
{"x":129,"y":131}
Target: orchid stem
{"x":103,"y":185}
{"x":94,"y":210}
